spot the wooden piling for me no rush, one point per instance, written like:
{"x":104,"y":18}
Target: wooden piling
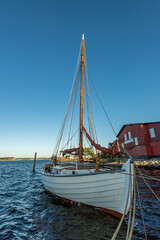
{"x":34,"y":164}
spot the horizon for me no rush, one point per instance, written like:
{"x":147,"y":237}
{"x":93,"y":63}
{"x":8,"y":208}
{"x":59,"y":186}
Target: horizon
{"x":40,"y":43}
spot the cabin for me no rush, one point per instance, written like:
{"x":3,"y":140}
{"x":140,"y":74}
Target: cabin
{"x":141,"y":140}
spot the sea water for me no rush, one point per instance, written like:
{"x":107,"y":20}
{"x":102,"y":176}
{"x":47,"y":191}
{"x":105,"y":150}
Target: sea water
{"x":28,"y":212}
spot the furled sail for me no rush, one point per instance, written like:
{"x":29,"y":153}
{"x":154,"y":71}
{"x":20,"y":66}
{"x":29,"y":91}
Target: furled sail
{"x":112,"y":150}
{"x":71,"y":150}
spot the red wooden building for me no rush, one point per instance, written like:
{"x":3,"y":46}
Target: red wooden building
{"x":141,"y":140}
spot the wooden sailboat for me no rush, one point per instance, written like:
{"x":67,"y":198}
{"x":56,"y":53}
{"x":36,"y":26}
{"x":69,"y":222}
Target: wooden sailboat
{"x":92,"y":184}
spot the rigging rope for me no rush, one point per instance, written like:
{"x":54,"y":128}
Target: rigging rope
{"x":129,"y":222}
{"x":89,"y":108}
{"x":134,"y":209}
{"x":74,"y":104}
{"x":149,"y":177}
{"x":125,"y":210}
{"x":68,"y":107}
{"x":88,"y":141}
{"x":75,"y":109}
{"x":102,"y":105}
{"x":141,"y":209}
{"x":147,"y":184}
{"x":70,"y":139}
{"x":63,"y":125}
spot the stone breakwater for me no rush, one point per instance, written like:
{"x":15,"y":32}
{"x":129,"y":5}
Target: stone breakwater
{"x":151,"y":163}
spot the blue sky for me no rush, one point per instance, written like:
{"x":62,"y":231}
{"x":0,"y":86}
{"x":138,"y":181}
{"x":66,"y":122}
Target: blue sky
{"x":39,"y":47}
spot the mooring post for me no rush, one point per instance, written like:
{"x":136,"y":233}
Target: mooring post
{"x":34,"y":164}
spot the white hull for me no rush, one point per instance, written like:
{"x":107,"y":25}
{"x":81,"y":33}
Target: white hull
{"x":107,"y":190}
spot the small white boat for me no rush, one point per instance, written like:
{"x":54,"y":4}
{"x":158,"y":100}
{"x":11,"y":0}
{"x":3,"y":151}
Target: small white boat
{"x":93,"y":184}
{"x":105,"y":189}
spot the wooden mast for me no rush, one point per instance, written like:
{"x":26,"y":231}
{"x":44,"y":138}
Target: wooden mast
{"x":81,"y":104}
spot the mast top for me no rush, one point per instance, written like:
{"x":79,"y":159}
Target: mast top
{"x":82,"y":36}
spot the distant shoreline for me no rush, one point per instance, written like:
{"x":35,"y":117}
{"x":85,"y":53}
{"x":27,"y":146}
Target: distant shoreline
{"x":151,"y":163}
{"x":20,"y":159}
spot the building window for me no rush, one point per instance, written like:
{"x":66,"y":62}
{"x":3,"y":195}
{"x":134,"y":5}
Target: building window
{"x":152,"y":132}
{"x":129,"y":135}
{"x":136,"y":140}
{"x":125,"y":137}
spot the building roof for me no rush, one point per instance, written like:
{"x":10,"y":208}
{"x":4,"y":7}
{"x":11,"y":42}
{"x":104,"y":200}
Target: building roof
{"x":131,"y":124}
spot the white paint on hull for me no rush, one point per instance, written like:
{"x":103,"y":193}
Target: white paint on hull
{"x":107,"y":190}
